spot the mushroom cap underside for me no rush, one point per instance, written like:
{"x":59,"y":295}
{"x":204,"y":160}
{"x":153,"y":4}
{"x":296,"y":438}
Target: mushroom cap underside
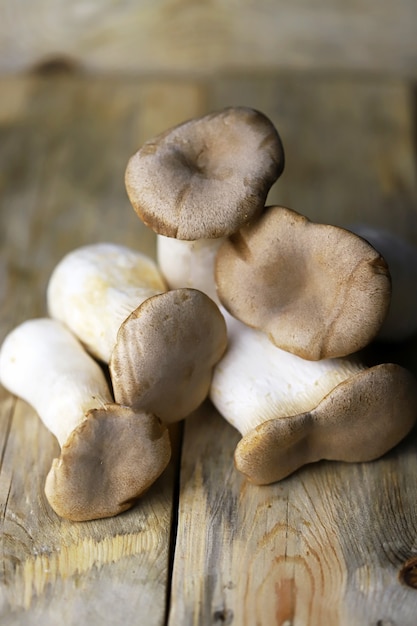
{"x":108,"y":462}
{"x":212,"y":174}
{"x":359,"y":421}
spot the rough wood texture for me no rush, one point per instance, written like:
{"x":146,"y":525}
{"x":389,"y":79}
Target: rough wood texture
{"x":211,"y":36}
{"x":325,"y":546}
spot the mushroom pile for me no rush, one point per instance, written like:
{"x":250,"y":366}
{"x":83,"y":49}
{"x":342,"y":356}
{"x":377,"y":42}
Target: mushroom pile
{"x":255,"y":307}
{"x":300,"y":299}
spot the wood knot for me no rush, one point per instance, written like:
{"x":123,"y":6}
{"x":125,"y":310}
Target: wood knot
{"x":408,"y":573}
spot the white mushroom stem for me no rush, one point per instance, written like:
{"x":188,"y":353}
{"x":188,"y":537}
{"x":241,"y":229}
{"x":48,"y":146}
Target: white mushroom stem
{"x":401,"y":258}
{"x":44,"y":364}
{"x":95,"y":288}
{"x":188,"y":263}
{"x":256,"y":381}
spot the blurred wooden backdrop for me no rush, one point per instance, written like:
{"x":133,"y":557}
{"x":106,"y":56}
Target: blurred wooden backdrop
{"x":206,"y":36}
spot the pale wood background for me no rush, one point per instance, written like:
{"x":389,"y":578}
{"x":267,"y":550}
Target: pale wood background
{"x":327,"y":545}
{"x":208,"y":36}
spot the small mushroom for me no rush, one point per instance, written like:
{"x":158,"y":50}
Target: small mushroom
{"x":318,"y":291}
{"x":160,"y":351}
{"x":292,"y":412}
{"x":165,"y":353}
{"x":110,"y":454}
{"x":401,"y":257}
{"x":206,"y":177}
{"x":95,"y":287}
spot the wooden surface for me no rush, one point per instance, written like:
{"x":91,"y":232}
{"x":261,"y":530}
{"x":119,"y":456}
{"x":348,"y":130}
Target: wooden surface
{"x":203,"y":37}
{"x":324,"y":547}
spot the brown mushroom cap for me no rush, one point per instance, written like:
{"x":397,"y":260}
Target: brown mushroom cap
{"x":206,"y":177}
{"x":360,"y":420}
{"x":317,"y":290}
{"x":165,"y":353}
{"x":107,"y":463}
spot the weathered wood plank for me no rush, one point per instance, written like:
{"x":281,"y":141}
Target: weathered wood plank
{"x":324,"y":546}
{"x":64,"y":144}
{"x":173,"y":36}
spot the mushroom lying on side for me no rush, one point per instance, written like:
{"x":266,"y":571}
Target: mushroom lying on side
{"x":318,"y":291}
{"x":161,"y":349}
{"x":110,"y":454}
{"x":208,"y":176}
{"x":291,"y":412}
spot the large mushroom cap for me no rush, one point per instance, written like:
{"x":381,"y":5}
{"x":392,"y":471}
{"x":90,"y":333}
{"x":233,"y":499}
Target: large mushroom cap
{"x":317,"y":290}
{"x":166,"y":351}
{"x":206,"y":177}
{"x":108,"y":462}
{"x":359,"y":421}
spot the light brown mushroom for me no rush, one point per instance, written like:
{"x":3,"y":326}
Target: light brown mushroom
{"x":292,"y":412}
{"x":165,"y":353}
{"x":206,"y":177}
{"x":316,"y":290}
{"x":110,"y":454}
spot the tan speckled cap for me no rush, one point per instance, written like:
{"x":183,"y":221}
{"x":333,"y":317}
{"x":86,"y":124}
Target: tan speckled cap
{"x":108,"y":462}
{"x":206,"y":177}
{"x":360,"y":420}
{"x":316,"y":290}
{"x":165,"y":353}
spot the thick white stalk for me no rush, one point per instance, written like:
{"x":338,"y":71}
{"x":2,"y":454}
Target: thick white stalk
{"x":188,"y":263}
{"x":43,"y":363}
{"x":94,"y":288}
{"x":256,"y":381}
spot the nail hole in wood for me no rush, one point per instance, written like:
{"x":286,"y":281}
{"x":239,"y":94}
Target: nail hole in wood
{"x":408,"y":573}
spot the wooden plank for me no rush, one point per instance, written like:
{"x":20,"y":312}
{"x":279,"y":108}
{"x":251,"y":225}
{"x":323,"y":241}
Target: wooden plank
{"x":189,"y":36}
{"x":64,"y":144}
{"x":324,"y":546}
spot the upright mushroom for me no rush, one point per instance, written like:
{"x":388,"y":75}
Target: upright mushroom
{"x":110,"y":454}
{"x":161,"y":348}
{"x":206,"y":177}
{"x":316,"y":290}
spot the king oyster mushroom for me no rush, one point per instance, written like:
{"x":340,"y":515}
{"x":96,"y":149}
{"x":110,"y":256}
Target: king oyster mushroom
{"x":160,"y":347}
{"x":206,"y":177}
{"x":110,"y":454}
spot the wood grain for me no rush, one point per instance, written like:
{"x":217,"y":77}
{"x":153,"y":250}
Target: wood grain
{"x":324,"y":546}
